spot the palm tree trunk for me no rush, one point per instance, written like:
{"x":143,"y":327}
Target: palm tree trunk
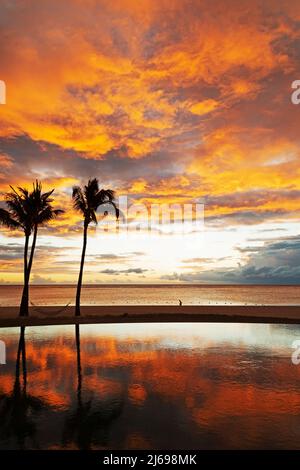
{"x":32,"y":251}
{"x":23,"y":310}
{"x":79,"y":284}
{"x":27,"y":270}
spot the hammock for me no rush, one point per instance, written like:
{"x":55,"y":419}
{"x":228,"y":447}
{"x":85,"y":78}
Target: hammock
{"x":53,"y":312}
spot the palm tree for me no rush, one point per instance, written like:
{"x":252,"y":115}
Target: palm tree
{"x":27,"y":211}
{"x":87,"y":200}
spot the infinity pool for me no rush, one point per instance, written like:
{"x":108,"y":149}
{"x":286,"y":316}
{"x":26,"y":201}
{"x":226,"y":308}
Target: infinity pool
{"x":150,"y":386}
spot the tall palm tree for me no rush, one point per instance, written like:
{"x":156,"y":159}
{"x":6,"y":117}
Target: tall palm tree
{"x":87,"y":200}
{"x":27,"y":211}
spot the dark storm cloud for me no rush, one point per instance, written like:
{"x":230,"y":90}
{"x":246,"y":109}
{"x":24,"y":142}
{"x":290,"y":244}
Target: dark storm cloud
{"x":284,"y":253}
{"x":253,"y":198}
{"x":273,"y":263}
{"x":10,"y":251}
{"x":114,"y":257}
{"x":244,"y":217}
{"x":32,"y":158}
{"x":124,"y":271}
{"x":105,"y":258}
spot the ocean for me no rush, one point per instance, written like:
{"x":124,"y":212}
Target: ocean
{"x":154,"y":295}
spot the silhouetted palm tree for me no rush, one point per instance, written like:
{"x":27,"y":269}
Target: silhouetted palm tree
{"x":87,"y":200}
{"x":27,"y":211}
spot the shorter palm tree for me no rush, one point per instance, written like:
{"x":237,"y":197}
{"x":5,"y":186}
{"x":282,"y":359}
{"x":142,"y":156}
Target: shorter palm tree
{"x":27,"y":211}
{"x":87,"y":200}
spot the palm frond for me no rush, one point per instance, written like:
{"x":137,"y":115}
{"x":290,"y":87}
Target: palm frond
{"x":7,"y":220}
{"x":109,"y":194}
{"x":117,"y":210}
{"x":46,"y":196}
{"x":29,"y":209}
{"x":24,"y":192}
{"x":79,"y":202}
{"x":114,"y":205}
{"x":19,"y":209}
{"x":90,"y":192}
{"x":105,"y":195}
{"x":45,"y":215}
{"x":89,"y":198}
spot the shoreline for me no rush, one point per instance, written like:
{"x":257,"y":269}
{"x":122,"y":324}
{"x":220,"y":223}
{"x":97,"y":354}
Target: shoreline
{"x":282,"y":314}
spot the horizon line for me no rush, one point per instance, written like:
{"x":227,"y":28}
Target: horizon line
{"x":154,"y":284}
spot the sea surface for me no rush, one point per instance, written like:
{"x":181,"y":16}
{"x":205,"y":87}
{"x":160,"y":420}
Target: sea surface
{"x":154,"y":386}
{"x":154,"y":294}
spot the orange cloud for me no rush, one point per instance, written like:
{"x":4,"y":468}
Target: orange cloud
{"x":80,"y":90}
{"x":204,"y":107}
{"x":165,"y":101}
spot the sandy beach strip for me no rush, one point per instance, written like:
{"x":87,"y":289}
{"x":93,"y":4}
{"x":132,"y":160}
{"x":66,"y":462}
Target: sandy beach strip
{"x":151,"y":314}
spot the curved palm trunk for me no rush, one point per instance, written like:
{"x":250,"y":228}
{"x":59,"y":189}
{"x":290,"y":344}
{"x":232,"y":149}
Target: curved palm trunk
{"x":24,"y":311}
{"x":79,"y":284}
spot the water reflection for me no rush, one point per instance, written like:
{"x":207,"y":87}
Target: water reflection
{"x":150,"y":386}
{"x":17,"y":409}
{"x":91,"y":419}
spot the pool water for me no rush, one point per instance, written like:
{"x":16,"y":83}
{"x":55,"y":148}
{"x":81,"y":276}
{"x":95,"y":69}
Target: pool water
{"x":150,"y":386}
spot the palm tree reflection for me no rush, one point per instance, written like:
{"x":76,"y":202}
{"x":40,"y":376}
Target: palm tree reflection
{"x":89,"y":424}
{"x":17,"y":409}
{"x":78,"y":356}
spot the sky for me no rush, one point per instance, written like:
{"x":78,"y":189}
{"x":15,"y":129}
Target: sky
{"x":166,"y":102}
